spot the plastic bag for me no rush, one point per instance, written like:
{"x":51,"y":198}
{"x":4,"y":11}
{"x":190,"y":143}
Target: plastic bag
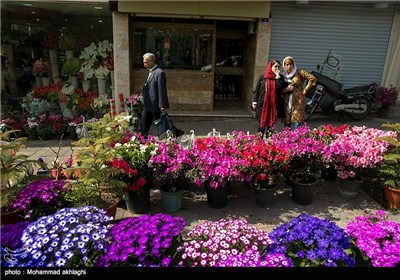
{"x":164,"y":124}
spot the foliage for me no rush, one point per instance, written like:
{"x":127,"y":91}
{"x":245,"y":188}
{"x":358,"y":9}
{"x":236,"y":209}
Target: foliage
{"x":377,"y":238}
{"x":305,"y":151}
{"x":390,"y":170}
{"x":131,"y":155}
{"x":387,"y":96}
{"x":71,"y":237}
{"x":216,"y":162}
{"x":39,"y":198}
{"x":14,"y":166}
{"x":357,"y":150}
{"x":148,"y":240}
{"x":311,"y":241}
{"x":98,"y":184}
{"x":67,"y":42}
{"x":171,"y":165}
{"x":227,"y":243}
{"x":71,"y":67}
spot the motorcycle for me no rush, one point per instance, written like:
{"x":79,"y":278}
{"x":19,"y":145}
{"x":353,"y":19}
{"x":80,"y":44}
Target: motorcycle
{"x":329,"y":95}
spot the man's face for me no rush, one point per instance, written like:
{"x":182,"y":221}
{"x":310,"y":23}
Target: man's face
{"x":148,"y":63}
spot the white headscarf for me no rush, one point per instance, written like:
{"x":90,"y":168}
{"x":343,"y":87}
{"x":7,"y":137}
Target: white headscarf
{"x":288,"y":77}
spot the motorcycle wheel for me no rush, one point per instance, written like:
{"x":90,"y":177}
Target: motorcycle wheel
{"x":361,"y":100}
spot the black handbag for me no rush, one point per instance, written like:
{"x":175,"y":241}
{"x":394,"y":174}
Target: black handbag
{"x":164,"y":123}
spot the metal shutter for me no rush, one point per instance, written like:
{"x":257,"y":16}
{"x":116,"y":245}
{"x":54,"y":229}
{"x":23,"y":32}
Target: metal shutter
{"x":357,"y":32}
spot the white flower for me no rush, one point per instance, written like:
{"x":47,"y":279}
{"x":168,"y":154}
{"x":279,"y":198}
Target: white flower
{"x":101,"y":72}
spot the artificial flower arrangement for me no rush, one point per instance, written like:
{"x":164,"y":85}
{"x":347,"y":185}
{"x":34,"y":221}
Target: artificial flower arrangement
{"x":312,"y":241}
{"x":306,"y":152}
{"x":71,"y":237}
{"x":134,"y":108}
{"x":171,"y":164}
{"x":39,"y":198}
{"x":265,"y":162}
{"x":49,"y":93}
{"x":228,"y":243}
{"x":376,"y":238}
{"x":96,"y":60}
{"x":39,"y":68}
{"x":216,"y":162}
{"x":387,"y":96}
{"x":357,"y":150}
{"x":50,"y":40}
{"x":131,"y":155}
{"x":148,"y":240}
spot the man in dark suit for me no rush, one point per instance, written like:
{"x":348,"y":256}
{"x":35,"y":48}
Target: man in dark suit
{"x":154,"y":92}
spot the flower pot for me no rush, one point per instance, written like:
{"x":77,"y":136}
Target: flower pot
{"x":383,"y":112}
{"x":86,"y":85}
{"x":53,"y":56}
{"x":171,"y":201}
{"x":112,"y":209}
{"x":217,"y":198}
{"x":69,"y":54}
{"x":329,"y":173}
{"x":11,"y":217}
{"x":101,"y":83}
{"x":138,"y":202}
{"x":349,"y":189}
{"x":46,"y":81}
{"x":74,"y":80}
{"x":265,"y":196}
{"x":302,"y":193}
{"x":392,"y":197}
{"x":38,"y":81}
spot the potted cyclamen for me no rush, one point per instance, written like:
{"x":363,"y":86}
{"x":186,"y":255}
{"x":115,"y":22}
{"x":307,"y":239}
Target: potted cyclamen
{"x":306,"y":159}
{"x":216,"y":164}
{"x":171,"y":164}
{"x":355,"y":153}
{"x":263,"y":167}
{"x":130,"y":155}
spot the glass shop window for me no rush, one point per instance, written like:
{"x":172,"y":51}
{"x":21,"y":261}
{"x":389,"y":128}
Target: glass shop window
{"x":175,"y":48}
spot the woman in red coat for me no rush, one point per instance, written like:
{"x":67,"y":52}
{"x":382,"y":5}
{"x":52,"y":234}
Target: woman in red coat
{"x":267,"y":99}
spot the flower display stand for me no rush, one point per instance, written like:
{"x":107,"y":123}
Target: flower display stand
{"x":171,"y":201}
{"x":265,"y":196}
{"x":217,"y":198}
{"x":349,"y":189}
{"x":138,"y":202}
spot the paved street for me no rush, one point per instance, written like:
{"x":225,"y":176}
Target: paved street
{"x":326,"y":202}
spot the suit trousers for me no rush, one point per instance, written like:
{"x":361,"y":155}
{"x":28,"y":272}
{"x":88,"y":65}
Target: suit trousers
{"x":146,"y":121}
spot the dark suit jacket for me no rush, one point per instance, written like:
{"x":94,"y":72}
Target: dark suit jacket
{"x":260,"y":92}
{"x":155,"y":91}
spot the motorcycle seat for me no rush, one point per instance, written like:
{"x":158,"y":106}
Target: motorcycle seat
{"x":364,"y":88}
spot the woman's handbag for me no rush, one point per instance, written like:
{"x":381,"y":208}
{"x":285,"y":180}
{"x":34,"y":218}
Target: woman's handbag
{"x":164,"y":124}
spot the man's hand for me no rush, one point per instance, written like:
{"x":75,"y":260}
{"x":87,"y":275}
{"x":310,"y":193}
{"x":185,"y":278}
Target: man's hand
{"x":163,"y":111}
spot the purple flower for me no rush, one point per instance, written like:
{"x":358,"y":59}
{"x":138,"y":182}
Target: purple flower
{"x":377,"y":237}
{"x":40,"y":197}
{"x":58,"y":240}
{"x":311,"y":241}
{"x":145,"y":241}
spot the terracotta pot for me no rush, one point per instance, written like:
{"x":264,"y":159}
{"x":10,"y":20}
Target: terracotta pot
{"x":392,"y":197}
{"x":57,"y":173}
